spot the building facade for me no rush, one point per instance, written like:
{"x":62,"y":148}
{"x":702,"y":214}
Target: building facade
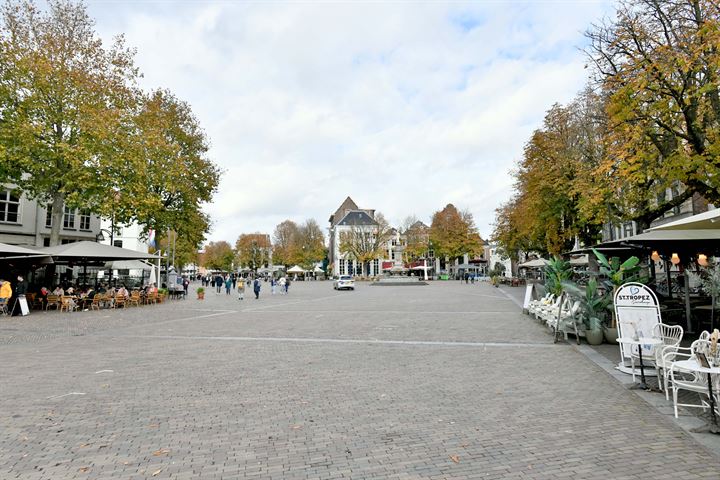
{"x":27,"y":222}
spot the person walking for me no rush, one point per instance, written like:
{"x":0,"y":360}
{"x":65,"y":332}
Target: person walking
{"x":256,"y":288}
{"x":281,"y":282}
{"x":287,"y":286}
{"x":228,"y":285}
{"x":241,"y":289}
{"x":234,"y":280}
{"x":272,"y":286}
{"x":219,"y":280}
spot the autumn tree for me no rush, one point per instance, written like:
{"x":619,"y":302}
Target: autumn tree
{"x":171,"y":175}
{"x":310,"y":247}
{"x":658,"y":62}
{"x":453,"y":233}
{"x":417,"y":238}
{"x":285,"y":240}
{"x":218,"y":256}
{"x":253,"y":250}
{"x":76,"y":131}
{"x":364,"y":243}
{"x":66,"y":106}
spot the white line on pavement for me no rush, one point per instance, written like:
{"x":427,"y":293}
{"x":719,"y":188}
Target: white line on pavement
{"x":65,"y":395}
{"x":346,"y":341}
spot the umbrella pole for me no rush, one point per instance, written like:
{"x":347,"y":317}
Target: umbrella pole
{"x":686,"y":281}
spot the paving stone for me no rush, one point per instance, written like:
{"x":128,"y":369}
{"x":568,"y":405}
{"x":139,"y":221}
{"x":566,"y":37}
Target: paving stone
{"x":377,"y":383}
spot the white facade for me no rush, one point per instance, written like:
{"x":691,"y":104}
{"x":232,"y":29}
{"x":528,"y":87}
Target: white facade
{"x":496,"y":258}
{"x":126,"y":236}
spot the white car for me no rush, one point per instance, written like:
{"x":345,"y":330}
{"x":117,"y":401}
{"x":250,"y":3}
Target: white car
{"x":344,"y":281}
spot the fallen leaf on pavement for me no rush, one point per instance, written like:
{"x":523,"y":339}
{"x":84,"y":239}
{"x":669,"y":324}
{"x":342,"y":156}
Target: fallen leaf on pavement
{"x":156,"y":472}
{"x":162,"y":451}
{"x":296,"y":427}
{"x":455,"y":458}
{"x":83,"y":469}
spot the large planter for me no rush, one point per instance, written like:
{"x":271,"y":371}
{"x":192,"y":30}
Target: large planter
{"x":611,"y":335}
{"x":201,"y":295}
{"x":594,"y":337}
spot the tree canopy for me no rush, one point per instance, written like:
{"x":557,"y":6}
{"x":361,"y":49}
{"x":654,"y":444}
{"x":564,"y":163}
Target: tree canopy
{"x":453,"y":233}
{"x":75,"y":128}
{"x":252,"y":250}
{"x":218,"y":256}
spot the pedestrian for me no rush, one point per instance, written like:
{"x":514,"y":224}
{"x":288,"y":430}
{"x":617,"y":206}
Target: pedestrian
{"x":228,"y":285}
{"x":219,"y":281}
{"x":241,"y":289}
{"x":272,"y":286}
{"x":186,"y":284}
{"x":256,"y":288}
{"x":287,"y":286}
{"x":281,"y":283}
{"x":234,"y":280}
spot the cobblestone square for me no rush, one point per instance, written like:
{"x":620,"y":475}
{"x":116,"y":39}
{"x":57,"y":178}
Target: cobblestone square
{"x":445,"y":381}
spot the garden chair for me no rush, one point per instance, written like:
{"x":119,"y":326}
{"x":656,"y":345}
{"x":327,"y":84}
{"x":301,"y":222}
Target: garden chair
{"x":671,"y":335}
{"x":134,"y":299}
{"x":30,"y":297}
{"x":691,"y":381}
{"x":67,"y":304}
{"x":534,"y":305}
{"x":52,"y":301}
{"x":119,"y":301}
{"x":547,"y":311}
{"x":670,"y":355}
{"x":4,"y":306}
{"x":97,"y":301}
{"x":565,"y":319}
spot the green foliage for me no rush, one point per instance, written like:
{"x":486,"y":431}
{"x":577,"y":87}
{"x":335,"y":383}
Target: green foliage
{"x":614,"y":273}
{"x":218,"y":256}
{"x":557,"y":272}
{"x":200,"y":290}
{"x":593,"y":304}
{"x":453,"y":233}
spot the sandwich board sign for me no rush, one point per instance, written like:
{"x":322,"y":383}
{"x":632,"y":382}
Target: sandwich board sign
{"x":530,"y":294}
{"x":637,"y":311}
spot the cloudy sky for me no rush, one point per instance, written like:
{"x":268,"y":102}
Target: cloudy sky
{"x":404,"y":106}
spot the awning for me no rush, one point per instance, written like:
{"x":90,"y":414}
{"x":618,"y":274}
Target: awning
{"x":709,"y":220}
{"x":85,"y":251}
{"x":15,"y":252}
{"x":296,"y":269}
{"x":687,"y":242}
{"x":128,"y":265}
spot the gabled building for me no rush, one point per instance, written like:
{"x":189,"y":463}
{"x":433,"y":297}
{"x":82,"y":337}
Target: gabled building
{"x":350,"y":219}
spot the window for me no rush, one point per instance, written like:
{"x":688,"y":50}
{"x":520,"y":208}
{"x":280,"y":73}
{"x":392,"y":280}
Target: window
{"x":9,"y":207}
{"x":342,"y":267}
{"x":376,"y":266}
{"x":69,"y":218}
{"x":117,"y":243}
{"x":84,"y":219}
{"x":392,"y":254}
{"x":48,"y":216}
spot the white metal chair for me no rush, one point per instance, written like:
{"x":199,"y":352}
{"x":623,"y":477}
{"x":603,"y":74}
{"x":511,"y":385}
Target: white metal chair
{"x":545,"y":311}
{"x":691,"y":381}
{"x":671,"y":354}
{"x":671,"y":335}
{"x":535,"y":304}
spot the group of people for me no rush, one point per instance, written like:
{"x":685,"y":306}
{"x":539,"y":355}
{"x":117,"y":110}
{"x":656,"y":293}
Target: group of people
{"x":229,"y":281}
{"x":9,"y":293}
{"x":282,"y":283}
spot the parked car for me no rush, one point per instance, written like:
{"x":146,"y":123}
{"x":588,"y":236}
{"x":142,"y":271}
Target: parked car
{"x":344,"y":281}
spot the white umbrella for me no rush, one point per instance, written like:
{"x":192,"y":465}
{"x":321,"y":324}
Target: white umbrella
{"x":537,"y":263}
{"x":296,"y":269}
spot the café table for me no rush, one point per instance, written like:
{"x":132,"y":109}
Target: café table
{"x":692,"y":365}
{"x":640,"y":342}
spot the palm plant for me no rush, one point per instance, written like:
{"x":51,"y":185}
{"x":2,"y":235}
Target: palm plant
{"x":593,"y":304}
{"x":557,"y":273}
{"x":613,"y":274}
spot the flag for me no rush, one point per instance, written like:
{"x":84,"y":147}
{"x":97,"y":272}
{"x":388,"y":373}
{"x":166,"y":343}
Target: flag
{"x":151,"y":238}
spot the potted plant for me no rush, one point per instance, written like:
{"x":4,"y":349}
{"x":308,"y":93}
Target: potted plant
{"x":614,"y":274}
{"x":557,"y":273}
{"x":201,"y":293}
{"x":594,"y":307}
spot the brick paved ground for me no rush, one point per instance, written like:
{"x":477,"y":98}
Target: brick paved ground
{"x":444,"y":381}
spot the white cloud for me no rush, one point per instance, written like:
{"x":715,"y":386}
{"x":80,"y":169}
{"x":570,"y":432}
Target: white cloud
{"x":405,"y":107}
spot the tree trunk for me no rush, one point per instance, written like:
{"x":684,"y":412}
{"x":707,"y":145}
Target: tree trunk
{"x":58,"y":209}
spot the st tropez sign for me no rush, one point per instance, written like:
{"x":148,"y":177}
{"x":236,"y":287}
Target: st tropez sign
{"x":637,"y":311}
